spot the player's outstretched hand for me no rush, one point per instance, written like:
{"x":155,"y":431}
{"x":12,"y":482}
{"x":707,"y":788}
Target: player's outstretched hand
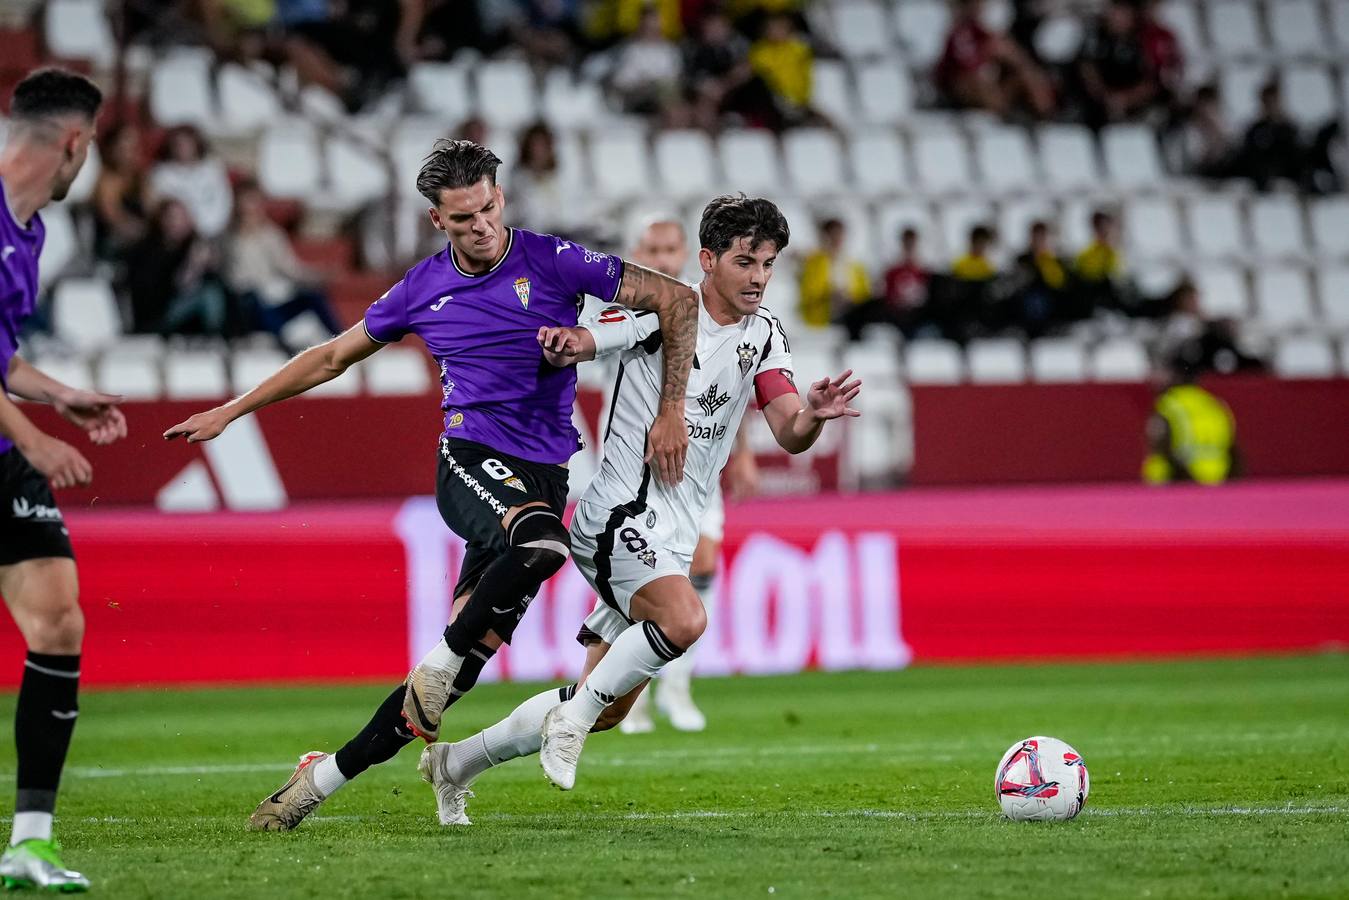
{"x":97,"y":414}
{"x":201,"y":427}
{"x":561,"y":346}
{"x":60,"y":463}
{"x":666,"y":444}
{"x":829,"y":399}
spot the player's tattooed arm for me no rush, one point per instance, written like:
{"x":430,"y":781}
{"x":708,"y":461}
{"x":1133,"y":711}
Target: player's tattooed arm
{"x":798,"y":426}
{"x":306,"y":370}
{"x":676,"y":305}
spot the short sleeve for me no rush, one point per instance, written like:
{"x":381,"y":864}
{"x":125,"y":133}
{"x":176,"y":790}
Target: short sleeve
{"x":583,"y":271}
{"x":386,"y":320}
{"x":774,"y":376}
{"x":616,"y":329}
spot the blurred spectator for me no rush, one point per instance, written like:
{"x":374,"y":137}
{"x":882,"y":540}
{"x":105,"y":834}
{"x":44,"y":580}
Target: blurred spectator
{"x":975,"y":264}
{"x":272,"y":284}
{"x":173,"y":278}
{"x":1099,"y":269}
{"x":1198,"y":342}
{"x":474,"y":129}
{"x":648,"y":71}
{"x":1272,"y":149}
{"x":539,"y":196}
{"x":1191,"y":433}
{"x":785,"y":62}
{"x":983,"y":69}
{"x":1162,"y":50}
{"x":121,"y":194}
{"x":832,"y":282}
{"x":354,"y":48}
{"x":1042,"y":283}
{"x":1027,"y":17}
{"x":451,"y":25}
{"x":1204,"y":137}
{"x":1116,"y":78}
{"x":190,"y":173}
{"x":903,"y":294}
{"x":721,"y":79}
{"x":548,"y":31}
{"x":962,"y":303}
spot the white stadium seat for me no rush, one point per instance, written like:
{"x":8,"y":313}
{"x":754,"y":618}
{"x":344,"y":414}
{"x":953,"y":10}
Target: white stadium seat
{"x":1222,"y":292}
{"x":922,"y":26}
{"x":879,"y":162}
{"x":412,"y":141}
{"x":84,"y":313}
{"x":356,"y":173}
{"x":996,"y":361}
{"x":66,"y":369}
{"x":61,"y":245}
{"x":942,"y":161}
{"x":195,"y":375}
{"x":507,"y":93}
{"x":875,"y":362}
{"x":750,"y":161}
{"x":1276,"y":227}
{"x":1283,"y":298}
{"x":1234,"y":28}
{"x":622,"y":156}
{"x":1304,"y":356}
{"x":1131,"y":156}
{"x":1330,"y":225}
{"x":1152,"y":229}
{"x":249,"y":368}
{"x":397,"y":370}
{"x":82,"y":188}
{"x":1068,"y":157}
{"x":861,"y":29}
{"x":180,"y":90}
{"x":348,"y":384}
{"x":289,"y":164}
{"x":248,"y":101}
{"x":134,"y":377}
{"x":1006,"y":159}
{"x":685,"y":163}
{"x":1182,"y":17}
{"x":1309,"y":95}
{"x":79,"y":29}
{"x":885,"y":93}
{"x":1054,"y":360}
{"x":814,"y":161}
{"x":933,"y":362}
{"x":1059,"y":39}
{"x":1119,"y":359}
{"x":1333,"y":289}
{"x":895,"y":216}
{"x":440,"y":88}
{"x":568,"y":102}
{"x":1216,"y":227}
{"x":1296,"y":27}
{"x":1339,"y":22}
{"x":831,"y":91}
{"x":1241,"y":85}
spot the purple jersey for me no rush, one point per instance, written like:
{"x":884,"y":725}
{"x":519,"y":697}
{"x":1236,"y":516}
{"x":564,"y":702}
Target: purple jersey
{"x":19,"y":250}
{"x":482,"y":331}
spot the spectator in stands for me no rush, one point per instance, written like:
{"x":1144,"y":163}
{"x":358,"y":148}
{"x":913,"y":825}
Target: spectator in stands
{"x":190,"y":173}
{"x":721,"y":80}
{"x":647,"y":74}
{"x":983,"y":69}
{"x":121,"y":194}
{"x":448,"y":26}
{"x":1191,"y":433}
{"x":964,"y":302}
{"x":548,"y":31}
{"x":173,"y":278}
{"x":832,"y":282}
{"x":1099,"y":269}
{"x":1204,"y":137}
{"x":1042,"y":283}
{"x":1027,"y":17}
{"x":272,"y":284}
{"x":902,"y":296}
{"x":783,"y":59}
{"x":1117,"y":80}
{"x":1272,"y":149}
{"x":1162,"y":51}
{"x":539,"y":195}
{"x":976,"y":263}
{"x":355,"y":48}
{"x":473,"y":129}
{"x":1199,"y":342}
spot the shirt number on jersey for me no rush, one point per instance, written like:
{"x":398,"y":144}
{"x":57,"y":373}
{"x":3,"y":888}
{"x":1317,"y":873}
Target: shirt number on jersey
{"x":496,"y":469}
{"x":633,"y":540}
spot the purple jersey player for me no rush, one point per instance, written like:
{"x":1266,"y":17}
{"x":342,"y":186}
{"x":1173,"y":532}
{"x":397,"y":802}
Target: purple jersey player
{"x":480,"y":305}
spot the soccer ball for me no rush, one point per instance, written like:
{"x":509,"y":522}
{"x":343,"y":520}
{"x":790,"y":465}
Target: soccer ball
{"x":1041,"y":779}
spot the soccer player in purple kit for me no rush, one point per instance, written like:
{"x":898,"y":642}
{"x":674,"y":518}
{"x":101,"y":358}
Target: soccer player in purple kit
{"x":502,"y":481}
{"x":51,"y":125}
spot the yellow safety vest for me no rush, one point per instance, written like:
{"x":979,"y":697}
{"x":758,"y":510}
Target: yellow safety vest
{"x":1202,"y":429}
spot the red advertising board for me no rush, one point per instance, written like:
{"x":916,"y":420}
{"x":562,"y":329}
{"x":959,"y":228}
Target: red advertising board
{"x":355,"y":591}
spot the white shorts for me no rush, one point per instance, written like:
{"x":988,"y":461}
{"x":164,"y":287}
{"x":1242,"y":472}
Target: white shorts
{"x":619,"y":555}
{"x":713,"y":525}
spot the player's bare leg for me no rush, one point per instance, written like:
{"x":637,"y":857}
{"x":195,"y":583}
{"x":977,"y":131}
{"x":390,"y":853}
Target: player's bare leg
{"x":674,"y":690}
{"x":669,"y":617}
{"x":43,"y":598}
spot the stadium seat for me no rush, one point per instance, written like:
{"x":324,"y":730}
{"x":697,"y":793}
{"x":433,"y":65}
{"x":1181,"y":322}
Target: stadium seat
{"x":1344,"y":356}
{"x":1333,"y":289}
{"x":884,"y":92}
{"x":814,"y":161}
{"x":84,"y":313}
{"x":356,"y":172}
{"x":1182,"y":17}
{"x":180,"y":90}
{"x":568,"y":102}
{"x":440,"y":88}
{"x":1068,"y":157}
{"x":1309,"y":95}
{"x":348,"y":384}
{"x":1152,"y":229}
{"x":248,"y":102}
{"x":933,"y":362}
{"x":622,"y":157}
{"x":1016,"y":216}
{"x":749,"y":160}
{"x":1330,"y":225}
{"x":1005,"y":159}
{"x":1216,"y":228}
{"x":507,"y":93}
{"x":61,"y":244}
{"x":876,"y":362}
{"x":922,"y":26}
{"x":1283,"y":298}
{"x":1131,"y":156}
{"x":195,"y":375}
{"x":895,"y":216}
{"x":1153,"y":278}
{"x":1234,"y":28}
{"x":1339,"y":22}
{"x":79,"y":29}
{"x":942,"y":161}
{"x":249,"y":368}
{"x":996,"y":361}
{"x":1119,"y":359}
{"x":1304,"y":356}
{"x":1276,"y":227}
{"x":1297,"y":28}
{"x":879,"y":162}
{"x":957,"y":217}
{"x":397,"y":370}
{"x":1222,"y":292}
{"x":412,"y":141}
{"x":134,"y":377}
{"x":861,"y":30}
{"x":82,"y":188}
{"x":831,"y":92}
{"x":66,"y":369}
{"x":1240,"y":86}
{"x":1059,"y":39}
{"x":685,"y":164}
{"x":1058,"y":360}
{"x":289,"y":164}
{"x":149,"y":346}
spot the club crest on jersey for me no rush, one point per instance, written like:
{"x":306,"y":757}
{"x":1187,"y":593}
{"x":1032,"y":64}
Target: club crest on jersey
{"x":711,"y":401}
{"x":651,"y":519}
{"x":648,"y":557}
{"x":515,"y":482}
{"x":746,"y":353}
{"x":522,"y":290}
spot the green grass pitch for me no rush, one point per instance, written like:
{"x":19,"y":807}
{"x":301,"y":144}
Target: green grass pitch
{"x":1209,"y":779}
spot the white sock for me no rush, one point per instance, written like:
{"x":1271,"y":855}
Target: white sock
{"x":327,"y":776}
{"x":632,"y":659}
{"x":442,"y":657}
{"x":519,"y":734}
{"x":29,"y":825}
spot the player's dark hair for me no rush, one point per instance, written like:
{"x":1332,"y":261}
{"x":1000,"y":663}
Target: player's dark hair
{"x":729,"y":218}
{"x":49,"y":93}
{"x":455,"y":164}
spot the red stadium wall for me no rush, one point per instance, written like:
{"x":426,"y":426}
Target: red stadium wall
{"x":354,"y":591}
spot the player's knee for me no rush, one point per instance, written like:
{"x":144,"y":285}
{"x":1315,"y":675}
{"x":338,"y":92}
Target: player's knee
{"x":56,"y":628}
{"x":540,"y":538}
{"x":684,"y":622}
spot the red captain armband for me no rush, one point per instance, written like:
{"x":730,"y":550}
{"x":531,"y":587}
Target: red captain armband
{"x":768,"y":386}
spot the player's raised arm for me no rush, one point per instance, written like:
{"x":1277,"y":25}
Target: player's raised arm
{"x":676,"y":306}
{"x":307,"y":370}
{"x":796,"y":426}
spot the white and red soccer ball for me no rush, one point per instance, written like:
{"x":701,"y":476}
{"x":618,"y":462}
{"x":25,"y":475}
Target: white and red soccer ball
{"x":1041,"y":779}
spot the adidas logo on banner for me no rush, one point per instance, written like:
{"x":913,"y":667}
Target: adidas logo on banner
{"x":237,"y":473}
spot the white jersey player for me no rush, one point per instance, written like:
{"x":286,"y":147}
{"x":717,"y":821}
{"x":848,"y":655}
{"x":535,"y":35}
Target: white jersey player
{"x":632,"y":535}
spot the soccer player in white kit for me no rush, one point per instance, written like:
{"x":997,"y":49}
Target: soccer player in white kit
{"x":632,"y":535}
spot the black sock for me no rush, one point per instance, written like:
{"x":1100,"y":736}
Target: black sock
{"x":43,"y":722}
{"x":478,"y":657}
{"x":380,"y":740}
{"x":504,"y":585}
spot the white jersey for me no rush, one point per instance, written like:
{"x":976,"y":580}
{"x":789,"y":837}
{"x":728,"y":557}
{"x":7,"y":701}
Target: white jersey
{"x":726,"y":362}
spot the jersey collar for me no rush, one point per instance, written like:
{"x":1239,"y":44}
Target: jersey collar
{"x":510,"y":244}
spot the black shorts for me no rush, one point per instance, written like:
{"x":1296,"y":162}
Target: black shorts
{"x":30,"y":524}
{"x":476,"y":486}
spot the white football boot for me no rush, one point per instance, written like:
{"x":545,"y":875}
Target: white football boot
{"x":674,"y":699}
{"x":438,"y":770}
{"x":563,"y":741}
